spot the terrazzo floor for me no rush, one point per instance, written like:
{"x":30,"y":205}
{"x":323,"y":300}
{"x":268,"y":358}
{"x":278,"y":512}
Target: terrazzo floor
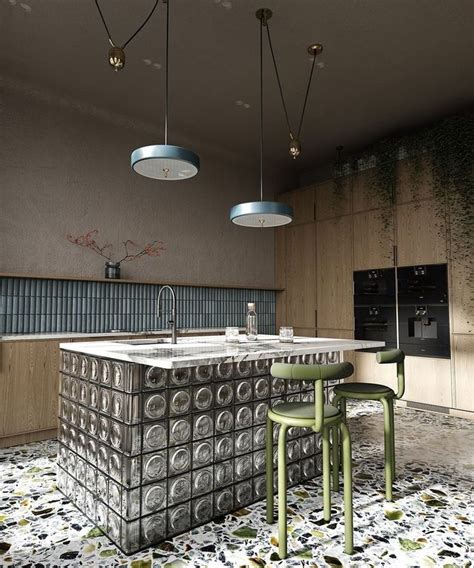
{"x":428,"y":524}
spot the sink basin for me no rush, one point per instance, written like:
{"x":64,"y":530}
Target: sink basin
{"x":152,"y":341}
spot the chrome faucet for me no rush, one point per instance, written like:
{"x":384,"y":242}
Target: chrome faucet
{"x":172,"y":320}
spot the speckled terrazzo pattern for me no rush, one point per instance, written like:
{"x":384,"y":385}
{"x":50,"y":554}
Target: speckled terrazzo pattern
{"x":428,"y":524}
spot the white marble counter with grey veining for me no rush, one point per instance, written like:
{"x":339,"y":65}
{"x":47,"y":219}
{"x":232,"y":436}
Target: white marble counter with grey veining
{"x":210,"y":350}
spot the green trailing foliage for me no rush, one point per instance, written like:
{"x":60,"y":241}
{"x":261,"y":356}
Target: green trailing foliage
{"x":446,"y":149}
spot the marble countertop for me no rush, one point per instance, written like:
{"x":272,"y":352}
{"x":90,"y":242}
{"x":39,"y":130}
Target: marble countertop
{"x":72,"y":335}
{"x":210,"y":350}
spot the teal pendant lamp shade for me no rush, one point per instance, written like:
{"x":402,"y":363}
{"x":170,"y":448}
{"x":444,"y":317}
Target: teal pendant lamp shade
{"x":263,"y":214}
{"x":164,"y":161}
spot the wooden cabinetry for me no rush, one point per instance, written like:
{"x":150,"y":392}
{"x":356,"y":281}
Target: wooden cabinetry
{"x":303,"y":203}
{"x":29,"y":374}
{"x":427,"y":380}
{"x":462,"y":301}
{"x":410,"y":171}
{"x":364,"y":197}
{"x":334,"y":271}
{"x":29,"y":383}
{"x":369,"y":371}
{"x":305,"y":332}
{"x":464,"y":371}
{"x":421,"y":234}
{"x":373,"y":242}
{"x":331,"y":203}
{"x":300,"y":265}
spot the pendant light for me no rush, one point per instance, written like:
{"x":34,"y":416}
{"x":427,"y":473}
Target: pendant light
{"x":164,"y":161}
{"x":314,"y":49}
{"x":261,"y":213}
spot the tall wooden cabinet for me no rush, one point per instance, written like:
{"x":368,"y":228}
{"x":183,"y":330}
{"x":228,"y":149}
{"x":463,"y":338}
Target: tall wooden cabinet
{"x":300,"y":256}
{"x":334,"y":245}
{"x":295,"y":264}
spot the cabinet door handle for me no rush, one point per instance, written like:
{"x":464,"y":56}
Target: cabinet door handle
{"x":316,"y":319}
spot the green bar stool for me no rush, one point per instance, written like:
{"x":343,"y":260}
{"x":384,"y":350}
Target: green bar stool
{"x":386,"y":395}
{"x":320,"y":417}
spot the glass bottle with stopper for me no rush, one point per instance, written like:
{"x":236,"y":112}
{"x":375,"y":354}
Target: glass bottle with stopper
{"x":251,"y":324}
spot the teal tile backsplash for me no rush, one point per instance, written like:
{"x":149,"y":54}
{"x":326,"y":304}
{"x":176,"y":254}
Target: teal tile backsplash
{"x":48,"y":306}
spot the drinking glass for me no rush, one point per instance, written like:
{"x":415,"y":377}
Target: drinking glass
{"x":286,"y":334}
{"x":232,"y":334}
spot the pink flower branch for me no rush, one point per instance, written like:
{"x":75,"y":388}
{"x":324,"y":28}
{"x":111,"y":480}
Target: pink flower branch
{"x":155,"y":248}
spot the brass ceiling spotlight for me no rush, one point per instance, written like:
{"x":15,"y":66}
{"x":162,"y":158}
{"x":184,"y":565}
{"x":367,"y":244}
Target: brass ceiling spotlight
{"x":314,"y":49}
{"x":116,"y":53}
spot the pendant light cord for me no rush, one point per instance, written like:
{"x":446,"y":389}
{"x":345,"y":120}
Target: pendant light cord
{"x":278,"y":80}
{"x":132,"y":36}
{"x":281,"y":88}
{"x":306,"y":95}
{"x":167,"y":68}
{"x":261,"y":109}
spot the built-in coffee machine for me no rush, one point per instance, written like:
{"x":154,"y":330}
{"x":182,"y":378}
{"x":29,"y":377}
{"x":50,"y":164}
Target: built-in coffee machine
{"x":423,"y":310}
{"x":418,"y":294}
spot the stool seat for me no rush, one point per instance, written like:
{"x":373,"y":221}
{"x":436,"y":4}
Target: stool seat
{"x":347,"y":389}
{"x":303,"y":410}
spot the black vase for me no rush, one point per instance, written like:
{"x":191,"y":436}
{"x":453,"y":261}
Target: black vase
{"x":112,"y":270}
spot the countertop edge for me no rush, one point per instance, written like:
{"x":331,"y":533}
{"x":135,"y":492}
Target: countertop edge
{"x":225,"y":353}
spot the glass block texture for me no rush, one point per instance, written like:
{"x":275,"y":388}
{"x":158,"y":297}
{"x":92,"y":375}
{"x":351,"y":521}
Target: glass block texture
{"x":147,"y":453}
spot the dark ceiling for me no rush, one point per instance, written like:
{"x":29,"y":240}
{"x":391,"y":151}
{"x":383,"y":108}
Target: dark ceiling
{"x":388,"y":66}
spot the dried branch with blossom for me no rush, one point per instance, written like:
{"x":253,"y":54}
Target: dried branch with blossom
{"x":155,"y":248}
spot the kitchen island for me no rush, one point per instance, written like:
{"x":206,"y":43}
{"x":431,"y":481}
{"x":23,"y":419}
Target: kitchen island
{"x":156,"y":438}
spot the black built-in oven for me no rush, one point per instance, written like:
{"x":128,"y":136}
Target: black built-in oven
{"x":421,"y":299}
{"x":374,"y":306}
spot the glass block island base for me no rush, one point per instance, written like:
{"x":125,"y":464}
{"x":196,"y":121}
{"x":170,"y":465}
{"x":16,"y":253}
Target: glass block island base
{"x":156,"y":439}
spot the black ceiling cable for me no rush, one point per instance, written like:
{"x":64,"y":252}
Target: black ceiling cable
{"x":133,"y":35}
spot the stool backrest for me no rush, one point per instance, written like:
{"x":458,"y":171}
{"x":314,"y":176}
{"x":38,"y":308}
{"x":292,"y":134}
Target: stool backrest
{"x":395,"y":356}
{"x":316,"y":373}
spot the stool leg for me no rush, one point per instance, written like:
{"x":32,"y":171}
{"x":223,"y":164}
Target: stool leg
{"x":269,"y":469}
{"x":338,"y":402}
{"x":282,"y":523}
{"x":335,"y":458}
{"x":326,"y":475}
{"x":392,"y":409}
{"x":347,"y":471}
{"x":387,"y":448}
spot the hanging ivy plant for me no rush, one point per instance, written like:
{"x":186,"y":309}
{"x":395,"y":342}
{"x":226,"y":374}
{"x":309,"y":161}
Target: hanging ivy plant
{"x":447,"y":148}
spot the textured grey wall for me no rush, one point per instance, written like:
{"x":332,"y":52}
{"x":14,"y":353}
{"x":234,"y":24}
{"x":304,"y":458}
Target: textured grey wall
{"x":64,"y":168}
